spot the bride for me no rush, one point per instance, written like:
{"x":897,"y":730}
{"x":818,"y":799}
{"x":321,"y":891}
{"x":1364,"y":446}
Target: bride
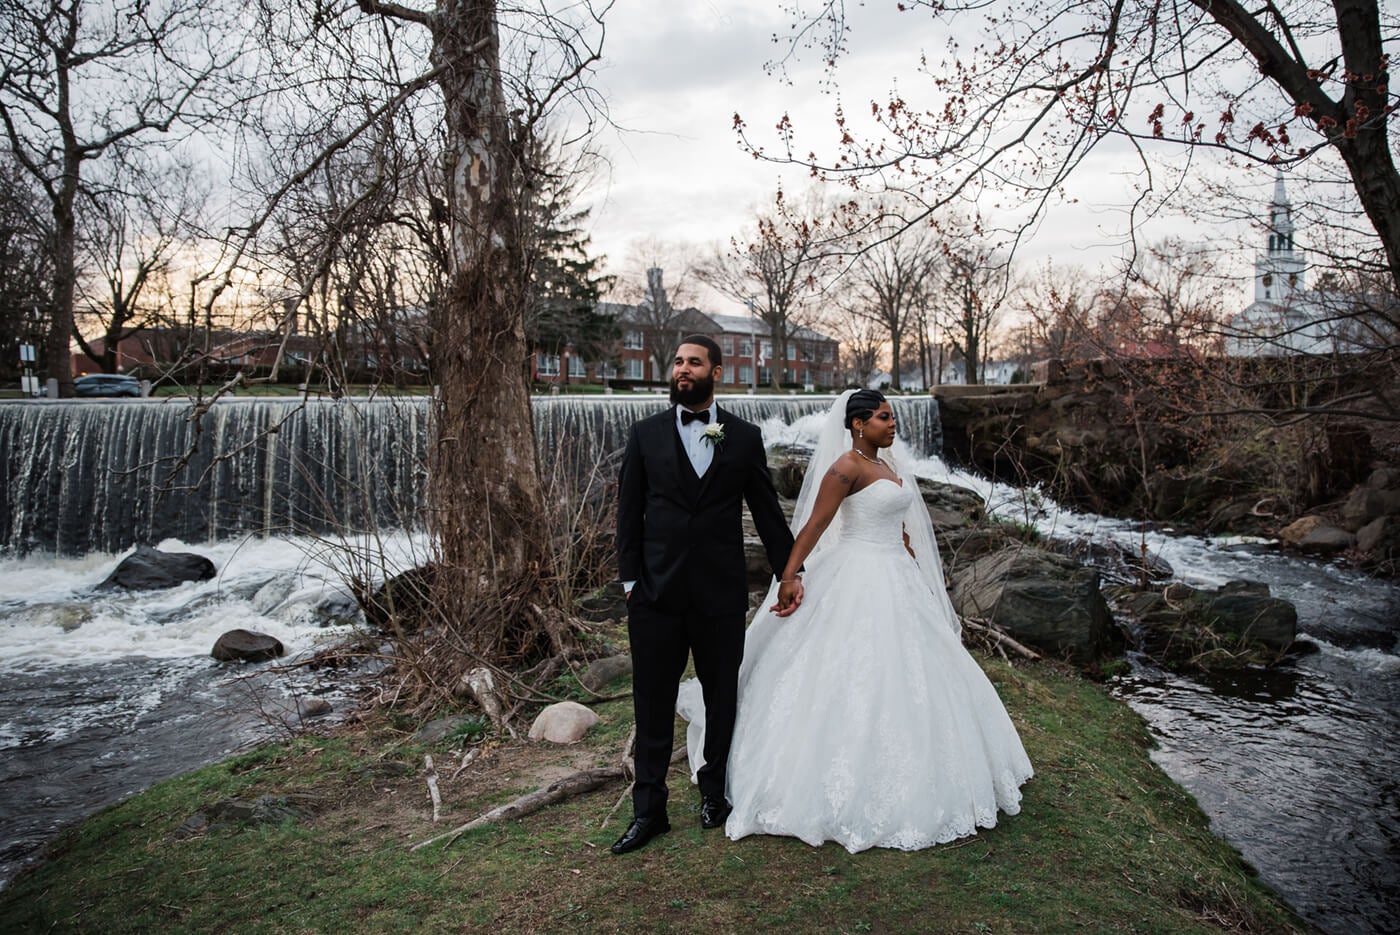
{"x":862,"y":719}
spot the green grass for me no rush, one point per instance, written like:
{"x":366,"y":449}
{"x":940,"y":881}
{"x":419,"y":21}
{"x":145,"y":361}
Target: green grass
{"x":1104,"y":843}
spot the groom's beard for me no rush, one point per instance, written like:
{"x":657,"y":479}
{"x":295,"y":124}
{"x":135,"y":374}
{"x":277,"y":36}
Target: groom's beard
{"x":701,"y":389}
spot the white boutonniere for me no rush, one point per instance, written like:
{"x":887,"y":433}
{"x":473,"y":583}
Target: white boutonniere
{"x":714,"y":434}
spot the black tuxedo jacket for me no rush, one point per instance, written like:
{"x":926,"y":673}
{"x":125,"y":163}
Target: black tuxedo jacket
{"x":681,"y":537}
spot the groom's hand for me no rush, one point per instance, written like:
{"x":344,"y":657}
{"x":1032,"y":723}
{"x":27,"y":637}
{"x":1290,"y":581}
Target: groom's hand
{"x":789,"y":598}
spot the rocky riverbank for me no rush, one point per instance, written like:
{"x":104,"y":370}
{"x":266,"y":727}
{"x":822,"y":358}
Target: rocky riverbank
{"x":1119,"y":438}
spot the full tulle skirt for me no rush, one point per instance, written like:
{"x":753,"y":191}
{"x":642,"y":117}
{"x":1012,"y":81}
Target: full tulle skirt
{"x":862,"y":719}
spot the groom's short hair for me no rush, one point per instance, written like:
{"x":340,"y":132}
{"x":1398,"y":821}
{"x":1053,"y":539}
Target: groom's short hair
{"x":709,"y":344}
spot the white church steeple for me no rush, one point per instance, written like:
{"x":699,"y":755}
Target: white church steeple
{"x":1278,"y":272}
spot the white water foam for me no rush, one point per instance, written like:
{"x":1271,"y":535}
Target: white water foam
{"x":293,"y":589}
{"x":1367,"y":660}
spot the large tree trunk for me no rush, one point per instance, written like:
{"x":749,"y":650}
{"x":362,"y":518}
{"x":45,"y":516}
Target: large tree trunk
{"x":58,"y":342}
{"x":896,"y":348}
{"x":484,"y":492}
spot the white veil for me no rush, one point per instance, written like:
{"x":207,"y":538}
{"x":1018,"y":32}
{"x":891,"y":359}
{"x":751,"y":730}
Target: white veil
{"x":832,"y":442}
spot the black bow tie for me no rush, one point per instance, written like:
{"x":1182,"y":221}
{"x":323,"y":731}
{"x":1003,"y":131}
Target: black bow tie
{"x":688,"y":417}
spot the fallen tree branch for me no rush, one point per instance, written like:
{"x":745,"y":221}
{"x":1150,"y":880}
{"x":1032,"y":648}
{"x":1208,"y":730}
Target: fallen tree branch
{"x":585,"y":780}
{"x":998,"y":637}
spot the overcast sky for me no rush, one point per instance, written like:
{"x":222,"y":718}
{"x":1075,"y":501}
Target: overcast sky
{"x":674,"y":77}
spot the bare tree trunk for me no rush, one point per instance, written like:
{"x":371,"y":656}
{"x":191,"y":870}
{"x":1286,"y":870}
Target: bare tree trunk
{"x":485,"y":494}
{"x":58,"y":359}
{"x":973,"y":343}
{"x":895,"y":351}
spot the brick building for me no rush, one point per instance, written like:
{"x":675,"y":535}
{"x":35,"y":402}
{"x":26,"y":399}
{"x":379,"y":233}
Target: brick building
{"x":745,"y":341}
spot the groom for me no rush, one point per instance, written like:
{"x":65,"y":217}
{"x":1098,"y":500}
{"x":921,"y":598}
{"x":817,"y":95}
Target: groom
{"x":680,"y":544}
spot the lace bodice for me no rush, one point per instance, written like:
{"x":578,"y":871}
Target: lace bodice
{"x":873,"y":515}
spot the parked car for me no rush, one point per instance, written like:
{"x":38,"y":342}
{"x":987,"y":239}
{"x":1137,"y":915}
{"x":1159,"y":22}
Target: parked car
{"x":106,"y":384}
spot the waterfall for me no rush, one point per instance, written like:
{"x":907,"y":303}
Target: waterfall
{"x":83,"y":476}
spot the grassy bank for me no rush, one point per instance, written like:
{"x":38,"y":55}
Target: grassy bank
{"x":1104,"y":843}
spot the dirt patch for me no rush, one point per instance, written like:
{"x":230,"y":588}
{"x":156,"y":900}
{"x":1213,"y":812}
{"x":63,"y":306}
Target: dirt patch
{"x":386,"y":796}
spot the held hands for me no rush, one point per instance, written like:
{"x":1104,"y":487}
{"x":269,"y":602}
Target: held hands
{"x":789,"y":597}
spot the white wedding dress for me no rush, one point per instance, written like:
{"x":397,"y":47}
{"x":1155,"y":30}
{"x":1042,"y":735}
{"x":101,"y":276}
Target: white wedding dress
{"x":862,"y":719}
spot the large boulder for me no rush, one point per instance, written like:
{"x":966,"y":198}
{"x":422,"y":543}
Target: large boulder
{"x":1315,"y":534}
{"x":436,"y":731}
{"x":951,"y":506}
{"x":246,"y":646}
{"x":602,"y":671}
{"x":607,"y":603}
{"x":402,"y":604}
{"x":965,"y":544}
{"x":1045,"y":600}
{"x":1242,"y":609}
{"x":787,"y":477}
{"x":565,"y":722}
{"x":149,"y":569}
{"x":1366,"y":504}
{"x":1188,"y":629}
{"x":1379,"y":544}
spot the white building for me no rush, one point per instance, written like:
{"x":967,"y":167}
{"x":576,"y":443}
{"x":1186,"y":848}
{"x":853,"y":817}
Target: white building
{"x":1286,"y":317}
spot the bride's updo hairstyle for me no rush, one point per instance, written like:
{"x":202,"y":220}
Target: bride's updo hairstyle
{"x":862,"y":405}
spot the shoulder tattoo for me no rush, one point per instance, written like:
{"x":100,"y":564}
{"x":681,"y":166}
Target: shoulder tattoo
{"x":845,"y":479}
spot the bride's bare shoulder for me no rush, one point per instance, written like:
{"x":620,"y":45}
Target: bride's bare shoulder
{"x":846,"y":469}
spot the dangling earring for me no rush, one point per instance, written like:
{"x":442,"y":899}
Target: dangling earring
{"x":861,"y":434}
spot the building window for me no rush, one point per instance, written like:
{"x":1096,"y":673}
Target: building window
{"x":746,"y":348}
{"x":546,"y":365}
{"x":632,"y":341}
{"x":745,"y":374}
{"x":577,"y":367}
{"x":634,"y":369}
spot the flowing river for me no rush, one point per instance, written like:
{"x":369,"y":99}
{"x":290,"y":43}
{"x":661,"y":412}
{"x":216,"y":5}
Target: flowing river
{"x":107,"y":693}
{"x":1298,"y":766}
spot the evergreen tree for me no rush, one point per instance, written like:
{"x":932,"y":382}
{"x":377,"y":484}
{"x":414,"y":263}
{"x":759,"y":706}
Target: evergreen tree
{"x":565,"y":283}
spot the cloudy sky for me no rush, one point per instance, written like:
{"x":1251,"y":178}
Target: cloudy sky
{"x":674,"y":77}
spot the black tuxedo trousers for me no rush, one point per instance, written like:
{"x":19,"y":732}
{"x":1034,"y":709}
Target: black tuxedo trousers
{"x":680,"y":538}
{"x":660,"y":643}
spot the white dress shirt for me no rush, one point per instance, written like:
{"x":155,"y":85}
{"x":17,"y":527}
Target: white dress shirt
{"x":700,"y":451}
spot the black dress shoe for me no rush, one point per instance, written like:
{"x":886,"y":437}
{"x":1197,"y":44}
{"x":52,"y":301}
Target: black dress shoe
{"x":639,"y":833}
{"x":713,"y":812}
